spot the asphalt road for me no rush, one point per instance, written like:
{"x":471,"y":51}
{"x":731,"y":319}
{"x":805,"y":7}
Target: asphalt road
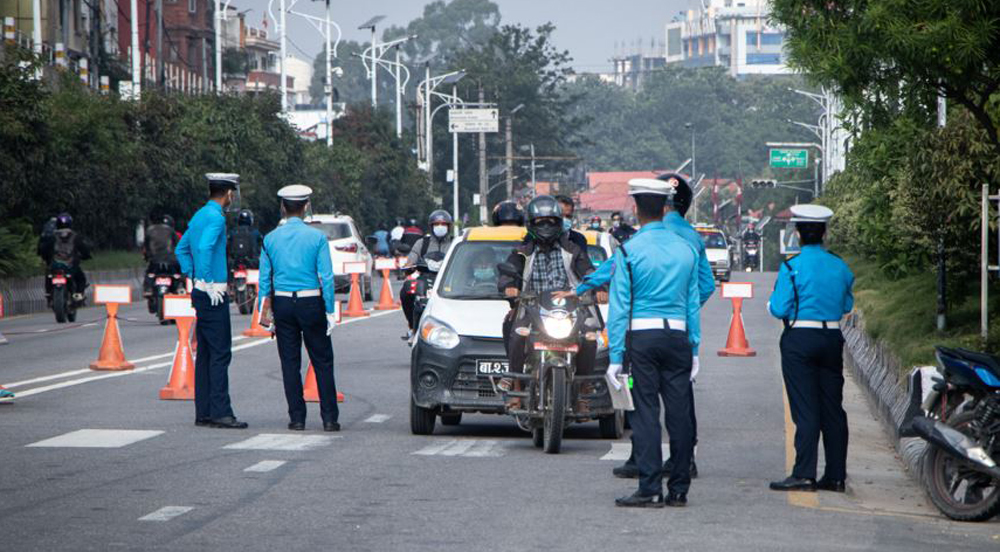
{"x":161,"y":483}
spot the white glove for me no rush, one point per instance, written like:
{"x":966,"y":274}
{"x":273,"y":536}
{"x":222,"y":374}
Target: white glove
{"x":695,"y":365}
{"x":215,"y":295}
{"x":615,"y":370}
{"x":331,"y":321}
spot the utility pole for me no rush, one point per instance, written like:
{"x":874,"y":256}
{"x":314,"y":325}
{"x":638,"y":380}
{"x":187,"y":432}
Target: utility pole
{"x":218,"y":48}
{"x":454,"y":165}
{"x":533,"y":183}
{"x":159,"y":44}
{"x":942,"y":276}
{"x":374,"y":70}
{"x":36,"y":32}
{"x":328,"y":81}
{"x":284,"y":60}
{"x":399,"y":97}
{"x":510,"y":156}
{"x":484,"y":182}
{"x":136,"y":53}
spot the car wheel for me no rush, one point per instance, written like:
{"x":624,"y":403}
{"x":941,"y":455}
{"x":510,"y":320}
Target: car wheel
{"x":538,"y":437}
{"x":613,"y":425}
{"x":421,"y":419}
{"x":452,"y":419}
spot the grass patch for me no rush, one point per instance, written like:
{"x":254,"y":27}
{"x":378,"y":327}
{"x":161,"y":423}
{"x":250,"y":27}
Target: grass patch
{"x":113,"y":260}
{"x":903,"y":313}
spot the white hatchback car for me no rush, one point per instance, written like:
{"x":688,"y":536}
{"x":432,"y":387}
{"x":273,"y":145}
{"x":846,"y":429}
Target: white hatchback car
{"x":346,"y":245}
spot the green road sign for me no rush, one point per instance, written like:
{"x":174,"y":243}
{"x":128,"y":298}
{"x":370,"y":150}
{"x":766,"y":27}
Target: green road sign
{"x":789,"y":158}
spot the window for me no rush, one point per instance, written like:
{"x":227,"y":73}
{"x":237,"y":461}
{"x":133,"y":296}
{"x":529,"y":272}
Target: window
{"x":471,"y":273}
{"x":763,"y":59}
{"x":766,"y":39}
{"x":713,"y":240}
{"x":597,"y":255}
{"x":334,"y":230}
{"x":193,"y":6}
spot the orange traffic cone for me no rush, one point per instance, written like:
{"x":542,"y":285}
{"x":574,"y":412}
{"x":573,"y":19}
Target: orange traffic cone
{"x":310,"y":391}
{"x":180,"y":385}
{"x":355,"y":307}
{"x":111,"y":356}
{"x":385,"y":298}
{"x":256,"y":330}
{"x":737,"y":344}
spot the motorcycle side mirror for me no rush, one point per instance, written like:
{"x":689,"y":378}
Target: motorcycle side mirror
{"x":403,"y":248}
{"x":509,"y":270}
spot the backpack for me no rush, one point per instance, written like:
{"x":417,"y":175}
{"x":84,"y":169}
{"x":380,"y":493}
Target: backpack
{"x":244,"y":243}
{"x":64,"y":247}
{"x":159,"y":241}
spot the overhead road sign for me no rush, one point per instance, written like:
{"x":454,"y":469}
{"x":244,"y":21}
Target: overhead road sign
{"x":473,"y":120}
{"x":782,"y":158}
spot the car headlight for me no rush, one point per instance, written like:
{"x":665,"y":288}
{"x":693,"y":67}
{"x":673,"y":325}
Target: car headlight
{"x":558,"y":328}
{"x":438,"y":334}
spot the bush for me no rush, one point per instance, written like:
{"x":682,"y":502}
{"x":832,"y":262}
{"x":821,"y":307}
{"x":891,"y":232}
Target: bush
{"x":17,"y":249}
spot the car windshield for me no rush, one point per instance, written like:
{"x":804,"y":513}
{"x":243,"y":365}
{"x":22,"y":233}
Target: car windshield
{"x":334,"y":230}
{"x":597,"y":255}
{"x":713,"y":240}
{"x":472,"y":270}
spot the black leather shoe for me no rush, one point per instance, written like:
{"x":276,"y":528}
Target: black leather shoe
{"x":832,"y":485}
{"x":668,"y":466}
{"x":794,"y":484}
{"x":202,"y":422}
{"x":637,"y":500}
{"x":297,"y":426}
{"x":229,"y":422}
{"x":331,"y":426}
{"x":677,"y":500}
{"x":626,"y":471}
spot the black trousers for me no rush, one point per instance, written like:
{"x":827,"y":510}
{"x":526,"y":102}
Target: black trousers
{"x":297,"y":320}
{"x":661,"y":368}
{"x":694,"y":431}
{"x":812,"y":365}
{"x":211,"y":364}
{"x":407,"y":300}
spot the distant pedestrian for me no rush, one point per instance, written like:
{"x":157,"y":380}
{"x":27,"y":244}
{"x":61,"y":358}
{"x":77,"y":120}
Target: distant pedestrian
{"x":811,"y":295}
{"x":202,"y":256}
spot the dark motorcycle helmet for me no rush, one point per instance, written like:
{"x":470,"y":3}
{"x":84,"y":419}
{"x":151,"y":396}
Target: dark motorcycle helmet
{"x":439,"y":217}
{"x":507,"y":212}
{"x":245,"y":218}
{"x":168,"y":220}
{"x":64,"y":220}
{"x":682,"y":192}
{"x":412,"y":222}
{"x":545,"y":219}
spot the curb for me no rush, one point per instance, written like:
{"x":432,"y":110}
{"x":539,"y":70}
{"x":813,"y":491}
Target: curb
{"x":875,"y":367}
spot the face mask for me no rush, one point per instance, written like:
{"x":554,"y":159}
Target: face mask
{"x":616,"y":223}
{"x":483,"y":273}
{"x":567,"y":225}
{"x":440,"y":230}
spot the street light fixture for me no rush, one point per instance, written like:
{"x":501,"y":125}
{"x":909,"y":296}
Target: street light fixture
{"x":324,"y":28}
{"x":694,"y":164}
{"x":372,"y":59}
{"x":426,"y":88}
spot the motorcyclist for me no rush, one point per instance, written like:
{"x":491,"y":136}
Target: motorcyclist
{"x":548,"y":261}
{"x":595,"y":223}
{"x":439,"y":239}
{"x":381,"y":240}
{"x":411,"y":233}
{"x":46,"y":240}
{"x":568,"y":208}
{"x":396,"y":234}
{"x":244,"y":241}
{"x":158,"y":251}
{"x":507,"y":213}
{"x":619,"y":228}
{"x":65,"y":251}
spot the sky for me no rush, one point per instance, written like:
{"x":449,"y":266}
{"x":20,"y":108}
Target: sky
{"x":589,"y":29}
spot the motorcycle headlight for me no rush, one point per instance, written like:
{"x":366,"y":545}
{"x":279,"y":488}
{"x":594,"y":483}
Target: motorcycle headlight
{"x":438,"y":334}
{"x":558,"y":328}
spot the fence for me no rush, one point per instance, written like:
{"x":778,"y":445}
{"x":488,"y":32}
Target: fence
{"x":27,"y":295}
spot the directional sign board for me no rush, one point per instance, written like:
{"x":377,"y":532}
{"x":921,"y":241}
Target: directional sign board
{"x":473,"y":120}
{"x":789,"y":158}
{"x":789,"y":240}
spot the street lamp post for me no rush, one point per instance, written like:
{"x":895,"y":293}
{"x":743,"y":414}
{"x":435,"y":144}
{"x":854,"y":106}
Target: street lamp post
{"x":454,"y":165}
{"x":428,"y":86}
{"x":694,"y":163}
{"x":325,"y":27}
{"x":370,"y":24}
{"x":510,"y":150}
{"x":373,"y":54}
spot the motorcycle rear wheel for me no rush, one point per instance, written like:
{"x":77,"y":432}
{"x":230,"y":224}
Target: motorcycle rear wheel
{"x":555,"y":411}
{"x":242,"y":301}
{"x":951,"y":484}
{"x":59,"y":303}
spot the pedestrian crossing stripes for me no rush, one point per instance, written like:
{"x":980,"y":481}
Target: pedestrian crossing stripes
{"x":166,"y":513}
{"x":282,"y":441}
{"x":377,"y":418}
{"x":469,"y":448}
{"x":621,"y":451}
{"x":265,"y":466}
{"x":97,"y":438}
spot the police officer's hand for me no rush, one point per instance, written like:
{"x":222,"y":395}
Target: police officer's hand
{"x":602,"y":297}
{"x":564,"y":294}
{"x":614,"y":370}
{"x":512,"y":292}
{"x":331,"y":321}
{"x":216,"y":297}
{"x":265,"y":316}
{"x":695,"y":366}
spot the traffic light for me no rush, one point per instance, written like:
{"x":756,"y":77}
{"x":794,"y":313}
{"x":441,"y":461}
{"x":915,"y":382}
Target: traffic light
{"x":758,"y":184}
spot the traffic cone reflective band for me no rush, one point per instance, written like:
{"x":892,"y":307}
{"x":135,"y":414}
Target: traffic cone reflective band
{"x":256,"y":330}
{"x":111,"y":355}
{"x":385,"y":299}
{"x":737,"y":344}
{"x":310,"y":391}
{"x":355,"y":307}
{"x":180,"y":385}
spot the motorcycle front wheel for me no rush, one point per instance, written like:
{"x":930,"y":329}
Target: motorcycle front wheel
{"x":960,"y":492}
{"x":555,"y":410}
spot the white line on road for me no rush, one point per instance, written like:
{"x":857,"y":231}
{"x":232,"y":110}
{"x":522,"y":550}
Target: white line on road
{"x":265,"y":466}
{"x":166,"y":513}
{"x":377,"y":418}
{"x":622,"y":451}
{"x":469,"y":448}
{"x":282,"y":441}
{"x":97,"y":438}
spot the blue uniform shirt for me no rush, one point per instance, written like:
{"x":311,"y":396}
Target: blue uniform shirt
{"x":202,"y":250}
{"x":299,"y":258}
{"x":597,"y":278}
{"x":823,"y":282}
{"x":706,"y":282}
{"x":664,"y":284}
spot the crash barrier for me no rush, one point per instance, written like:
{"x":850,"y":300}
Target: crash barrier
{"x":180,"y":383}
{"x":736,"y":343}
{"x":112,"y":354}
{"x":255,"y":329}
{"x":310,"y":391}
{"x":355,"y":306}
{"x":385,"y":299}
{"x":27,"y":295}
{"x":877,"y":369}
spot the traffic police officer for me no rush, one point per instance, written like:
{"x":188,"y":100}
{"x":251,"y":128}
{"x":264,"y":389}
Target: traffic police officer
{"x":811,"y":295}
{"x":296,"y":270}
{"x":653,"y":320}
{"x":201,"y":254}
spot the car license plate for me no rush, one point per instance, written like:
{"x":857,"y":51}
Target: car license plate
{"x":239,"y":274}
{"x":164,"y":281}
{"x":560,"y":347}
{"x":59,"y":280}
{"x":492,"y":367}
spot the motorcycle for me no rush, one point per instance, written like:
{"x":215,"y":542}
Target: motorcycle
{"x":165,"y":282}
{"x":553,"y":394}
{"x":63,"y":305}
{"x":244,"y":294}
{"x":960,"y":420}
{"x":751,"y":257}
{"x":425,"y":276}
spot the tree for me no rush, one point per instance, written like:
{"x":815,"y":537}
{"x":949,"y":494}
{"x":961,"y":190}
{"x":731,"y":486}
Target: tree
{"x":446,"y":28}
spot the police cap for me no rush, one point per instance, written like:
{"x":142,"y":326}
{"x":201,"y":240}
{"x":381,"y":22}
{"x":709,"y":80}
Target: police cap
{"x":651,"y":186}
{"x":811,"y":213}
{"x":223,"y":180}
{"x":295,"y":192}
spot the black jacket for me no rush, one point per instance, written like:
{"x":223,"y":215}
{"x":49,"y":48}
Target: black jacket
{"x":580,"y":264}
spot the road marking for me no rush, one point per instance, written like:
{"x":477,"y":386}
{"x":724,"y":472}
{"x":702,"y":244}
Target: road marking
{"x":265,"y":466}
{"x":469,"y":448}
{"x":283,"y":441}
{"x":377,"y":418}
{"x":97,"y":438}
{"x":803,"y":499}
{"x":166,"y":513}
{"x":622,"y":451}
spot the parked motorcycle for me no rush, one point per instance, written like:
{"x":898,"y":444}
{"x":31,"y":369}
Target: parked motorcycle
{"x":960,"y":420}
{"x":60,"y":281}
{"x":165,"y":282}
{"x":240,"y":291}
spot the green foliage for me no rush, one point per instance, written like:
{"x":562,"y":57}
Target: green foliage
{"x":17,"y":249}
